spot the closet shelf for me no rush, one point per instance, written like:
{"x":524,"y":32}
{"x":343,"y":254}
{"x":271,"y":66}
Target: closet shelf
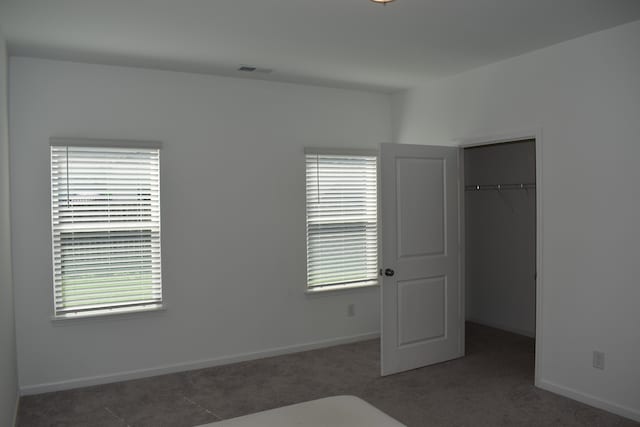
{"x":500,"y":187}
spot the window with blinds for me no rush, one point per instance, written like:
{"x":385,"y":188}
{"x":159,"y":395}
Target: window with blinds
{"x":105,"y":210}
{"x":342,"y":238}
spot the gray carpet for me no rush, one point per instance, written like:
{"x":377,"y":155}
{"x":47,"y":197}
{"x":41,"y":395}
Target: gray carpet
{"x":491,"y":386}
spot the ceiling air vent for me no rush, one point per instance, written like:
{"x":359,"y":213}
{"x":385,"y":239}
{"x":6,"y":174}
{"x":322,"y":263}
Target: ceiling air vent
{"x":252,"y":68}
{"x":247,"y":68}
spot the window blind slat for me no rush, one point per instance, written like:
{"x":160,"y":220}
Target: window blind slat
{"x":341,"y":192}
{"x":105,"y":211}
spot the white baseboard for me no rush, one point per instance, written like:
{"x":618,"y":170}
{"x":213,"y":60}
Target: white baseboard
{"x":502,"y":327}
{"x":187,"y":366}
{"x":590,"y":400}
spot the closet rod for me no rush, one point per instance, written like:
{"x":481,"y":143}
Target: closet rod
{"x":499,"y":187}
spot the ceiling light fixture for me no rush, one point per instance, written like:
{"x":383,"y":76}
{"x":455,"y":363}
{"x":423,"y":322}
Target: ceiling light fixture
{"x":382,"y":2}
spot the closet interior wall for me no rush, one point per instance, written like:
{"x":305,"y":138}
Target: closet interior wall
{"x":501,"y":236}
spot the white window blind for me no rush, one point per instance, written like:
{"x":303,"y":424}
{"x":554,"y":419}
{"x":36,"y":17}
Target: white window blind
{"x":105,"y":208}
{"x":341,"y":192}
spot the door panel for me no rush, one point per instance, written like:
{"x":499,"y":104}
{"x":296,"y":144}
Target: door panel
{"x":422,"y":319}
{"x":417,"y":237}
{"x":421,"y":310}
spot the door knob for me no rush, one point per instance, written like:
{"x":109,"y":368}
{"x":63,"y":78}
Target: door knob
{"x":389,"y":272}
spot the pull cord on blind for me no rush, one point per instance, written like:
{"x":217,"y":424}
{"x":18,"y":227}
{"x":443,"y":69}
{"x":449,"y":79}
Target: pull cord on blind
{"x":341,"y":194}
{"x":105,"y":211}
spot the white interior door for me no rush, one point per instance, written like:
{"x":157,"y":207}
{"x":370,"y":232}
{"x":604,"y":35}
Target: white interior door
{"x":422,"y":316}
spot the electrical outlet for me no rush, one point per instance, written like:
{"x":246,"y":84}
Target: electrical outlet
{"x":351,"y":310}
{"x":598,"y":359}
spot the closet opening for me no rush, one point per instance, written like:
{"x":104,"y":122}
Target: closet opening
{"x":500,"y":256}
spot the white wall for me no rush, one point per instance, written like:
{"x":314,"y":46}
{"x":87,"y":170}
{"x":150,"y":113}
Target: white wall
{"x":8,"y":377}
{"x":584,"y":95}
{"x":501,"y":237}
{"x":233,"y":215}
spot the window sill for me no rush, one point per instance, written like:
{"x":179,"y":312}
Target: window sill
{"x":109,"y":314}
{"x":341,"y":288}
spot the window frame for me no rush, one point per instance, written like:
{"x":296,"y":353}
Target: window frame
{"x":374,"y":281}
{"x":107,"y":311}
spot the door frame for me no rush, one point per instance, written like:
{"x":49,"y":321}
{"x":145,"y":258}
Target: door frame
{"x":536,"y":135}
